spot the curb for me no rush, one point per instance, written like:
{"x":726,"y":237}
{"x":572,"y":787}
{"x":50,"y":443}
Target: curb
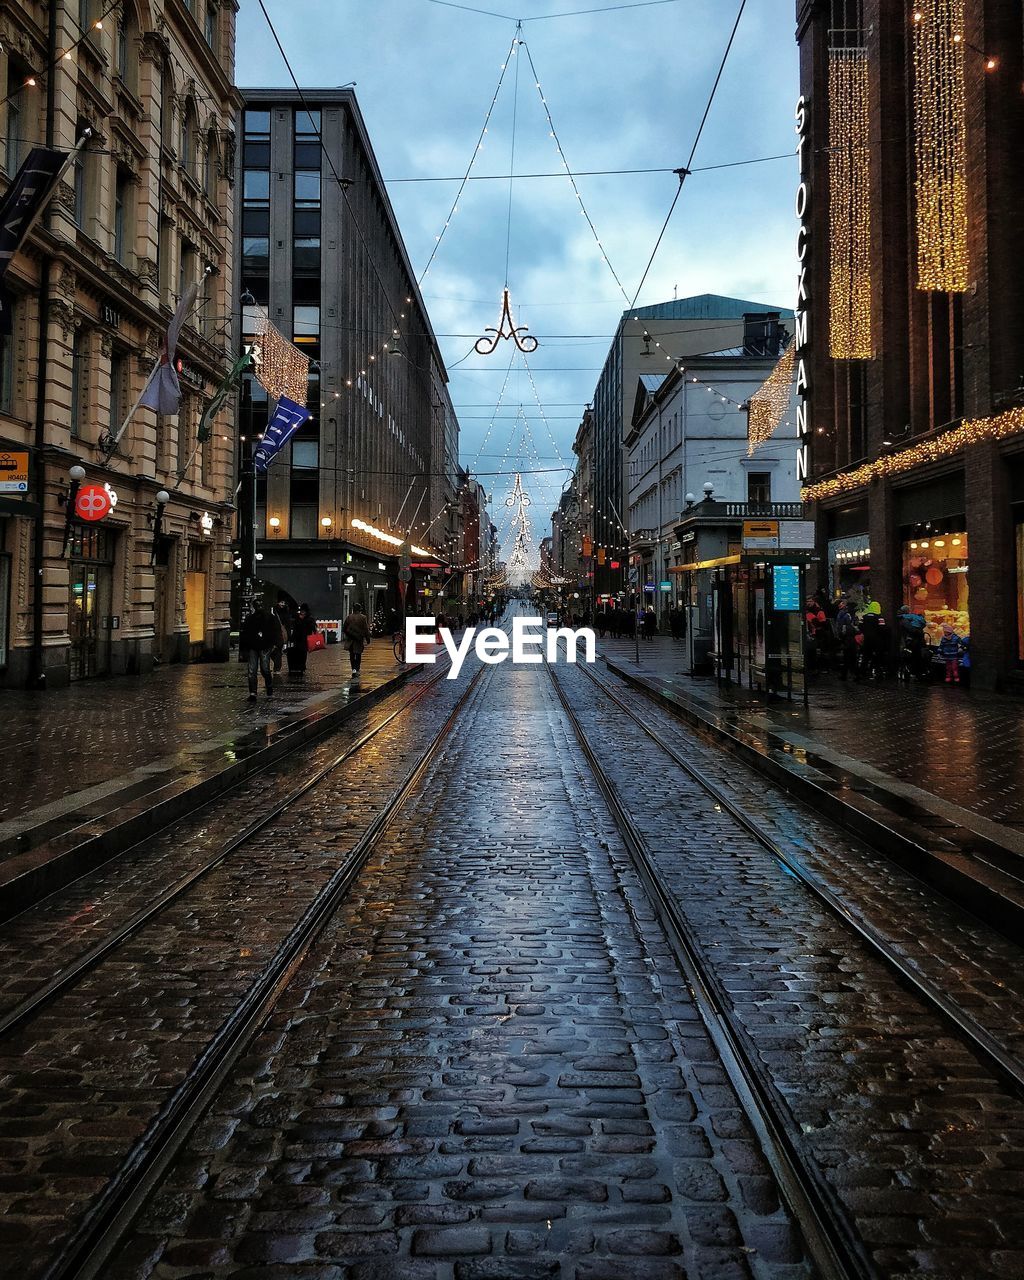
{"x":931,"y":857}
{"x":27,"y":878}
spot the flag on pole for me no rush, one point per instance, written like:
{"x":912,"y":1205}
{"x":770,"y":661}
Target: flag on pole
{"x":162,"y":392}
{"x":24,"y":201}
{"x":221,"y":394}
{"x":288,"y":417}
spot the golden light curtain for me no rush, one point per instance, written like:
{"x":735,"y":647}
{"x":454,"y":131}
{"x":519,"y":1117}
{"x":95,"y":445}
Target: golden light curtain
{"x":849,"y":210}
{"x":940,"y":147}
{"x":281,"y":368}
{"x":769,"y":403}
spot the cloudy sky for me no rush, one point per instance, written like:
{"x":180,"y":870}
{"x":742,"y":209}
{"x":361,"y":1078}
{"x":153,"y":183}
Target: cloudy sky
{"x":626,"y":89}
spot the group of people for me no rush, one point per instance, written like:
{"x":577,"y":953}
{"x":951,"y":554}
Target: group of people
{"x":270,"y":637}
{"x":853,"y":638}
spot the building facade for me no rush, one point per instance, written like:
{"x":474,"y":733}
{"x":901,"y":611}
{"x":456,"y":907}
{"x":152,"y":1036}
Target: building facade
{"x":911,"y":337}
{"x":647,"y":340}
{"x":141,"y":214}
{"x":376,"y":464}
{"x":689,"y":431}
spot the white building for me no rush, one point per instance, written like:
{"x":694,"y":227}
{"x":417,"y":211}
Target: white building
{"x":689,"y":430}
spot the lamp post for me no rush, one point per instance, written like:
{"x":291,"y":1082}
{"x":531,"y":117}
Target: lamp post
{"x":77,"y":475}
{"x":162,"y":499}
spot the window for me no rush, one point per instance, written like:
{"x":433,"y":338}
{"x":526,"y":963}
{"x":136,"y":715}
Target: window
{"x":15,"y":121}
{"x":759,"y":488}
{"x":118,"y":383}
{"x":210,"y":24}
{"x":80,"y":192}
{"x":188,"y":269}
{"x":256,"y":255}
{"x":255,"y":221}
{"x":122,"y":196}
{"x":307,"y":189}
{"x":188,"y":139}
{"x":124,"y":63}
{"x":256,"y":140}
{"x":7,"y":370}
{"x":78,"y":355}
{"x":305,"y":455}
{"x":306,"y":325}
{"x":210,"y":165}
{"x":306,"y":256}
{"x":256,"y":187}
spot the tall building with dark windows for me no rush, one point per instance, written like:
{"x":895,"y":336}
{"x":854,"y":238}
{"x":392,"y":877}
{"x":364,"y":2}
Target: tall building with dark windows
{"x":321,"y":250}
{"x":910,"y":330}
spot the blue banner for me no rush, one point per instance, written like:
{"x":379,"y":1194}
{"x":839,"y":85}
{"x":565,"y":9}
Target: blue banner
{"x":288,"y":417}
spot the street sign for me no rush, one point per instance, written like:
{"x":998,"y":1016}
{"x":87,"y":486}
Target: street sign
{"x":786,"y":588}
{"x":760,"y":535}
{"x":634,"y":575}
{"x":14,"y":472}
{"x":93,"y":503}
{"x":796,"y":534}
{"x":665,"y":586}
{"x":405,"y":575}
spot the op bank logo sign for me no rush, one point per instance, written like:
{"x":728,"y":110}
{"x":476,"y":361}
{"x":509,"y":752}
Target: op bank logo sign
{"x":529,"y":644}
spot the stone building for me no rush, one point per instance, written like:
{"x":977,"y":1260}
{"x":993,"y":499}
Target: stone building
{"x":910,"y":332}
{"x":140,"y":215}
{"x":377,"y":462}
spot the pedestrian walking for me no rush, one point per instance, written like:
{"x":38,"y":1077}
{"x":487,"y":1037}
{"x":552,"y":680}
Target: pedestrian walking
{"x":846,"y":636}
{"x":950,"y":648}
{"x":910,"y":639}
{"x":283,"y":614}
{"x":256,"y":638}
{"x":356,"y":630}
{"x":303,"y":626}
{"x":650,"y":624}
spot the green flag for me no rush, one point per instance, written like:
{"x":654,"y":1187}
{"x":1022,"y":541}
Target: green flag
{"x":221,"y":394}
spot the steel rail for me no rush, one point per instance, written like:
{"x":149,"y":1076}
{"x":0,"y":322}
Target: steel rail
{"x":986,"y":1048}
{"x":833,"y":1245}
{"x":85,"y":1254}
{"x":71,"y":973}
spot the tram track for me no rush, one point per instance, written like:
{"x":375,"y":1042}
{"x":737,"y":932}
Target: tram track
{"x":69,"y":974}
{"x":112,"y":1211}
{"x":830,"y":1237}
{"x":993,"y":1055}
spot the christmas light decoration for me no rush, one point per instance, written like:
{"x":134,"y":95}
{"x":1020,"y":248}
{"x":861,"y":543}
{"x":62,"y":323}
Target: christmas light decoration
{"x":281,"y":368}
{"x":940,"y":145}
{"x":849,"y":206}
{"x":506,"y":329}
{"x":769,"y":403}
{"x":976,"y":431}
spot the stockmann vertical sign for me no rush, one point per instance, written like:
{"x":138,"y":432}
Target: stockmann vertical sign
{"x":802,"y":335}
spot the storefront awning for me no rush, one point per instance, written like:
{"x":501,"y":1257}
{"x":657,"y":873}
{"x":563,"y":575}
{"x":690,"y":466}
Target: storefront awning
{"x":704,"y":564}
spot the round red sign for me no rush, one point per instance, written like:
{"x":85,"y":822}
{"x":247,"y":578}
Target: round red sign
{"x":92,"y":503}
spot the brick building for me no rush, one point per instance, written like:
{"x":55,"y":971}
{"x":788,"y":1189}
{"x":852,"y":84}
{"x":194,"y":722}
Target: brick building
{"x":134,"y":222}
{"x":910,"y":330}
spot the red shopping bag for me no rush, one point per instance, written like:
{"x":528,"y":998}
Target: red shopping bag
{"x":316,"y":641}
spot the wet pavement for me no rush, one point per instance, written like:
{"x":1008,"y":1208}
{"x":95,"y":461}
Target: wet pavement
{"x":962,"y":746}
{"x":490,"y":1066}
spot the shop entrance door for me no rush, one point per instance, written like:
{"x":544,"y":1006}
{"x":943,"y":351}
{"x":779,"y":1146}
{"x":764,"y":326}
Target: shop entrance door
{"x":90,"y":591}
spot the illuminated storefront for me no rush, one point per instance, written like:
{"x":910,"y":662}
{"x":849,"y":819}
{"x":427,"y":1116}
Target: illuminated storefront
{"x":935,"y":581}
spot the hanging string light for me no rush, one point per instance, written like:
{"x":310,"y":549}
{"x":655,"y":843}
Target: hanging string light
{"x":281,"y":368}
{"x":973,"y":432}
{"x":940,"y":148}
{"x":849,"y":206}
{"x":769,"y":403}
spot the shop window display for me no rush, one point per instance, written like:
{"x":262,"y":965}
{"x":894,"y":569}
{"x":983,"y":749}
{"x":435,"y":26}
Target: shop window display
{"x":935,"y":574}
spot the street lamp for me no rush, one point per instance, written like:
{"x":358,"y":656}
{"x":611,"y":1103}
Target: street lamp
{"x":77,"y":475}
{"x":162,"y":499}
{"x":326,"y":522}
{"x":275,"y":524}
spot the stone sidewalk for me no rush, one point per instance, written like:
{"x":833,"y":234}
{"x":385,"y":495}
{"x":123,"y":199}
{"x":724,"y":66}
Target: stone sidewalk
{"x":961,"y":746}
{"x":90,"y":770}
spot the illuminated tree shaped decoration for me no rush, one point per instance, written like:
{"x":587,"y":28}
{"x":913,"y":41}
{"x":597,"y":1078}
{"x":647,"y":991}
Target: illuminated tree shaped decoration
{"x":940,"y":145}
{"x":517,"y":565}
{"x":770,"y":401}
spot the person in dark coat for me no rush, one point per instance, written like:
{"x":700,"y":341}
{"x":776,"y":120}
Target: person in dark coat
{"x":257,"y":636}
{"x":356,"y":630}
{"x":650,"y":624}
{"x":283,"y":613}
{"x":302,"y":628}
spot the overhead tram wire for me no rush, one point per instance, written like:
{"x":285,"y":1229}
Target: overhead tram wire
{"x":549,"y":17}
{"x":593,"y":173}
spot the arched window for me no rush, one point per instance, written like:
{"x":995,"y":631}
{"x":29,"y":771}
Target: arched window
{"x":211,"y":165}
{"x":187,"y":156}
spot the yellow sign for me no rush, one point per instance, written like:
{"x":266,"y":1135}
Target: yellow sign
{"x":14,"y":471}
{"x":760,"y":529}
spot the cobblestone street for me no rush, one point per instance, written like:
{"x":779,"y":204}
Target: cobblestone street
{"x":484,"y":984}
